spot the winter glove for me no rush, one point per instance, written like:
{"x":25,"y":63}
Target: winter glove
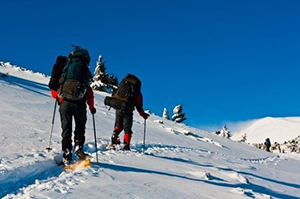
{"x":145,"y":115}
{"x":54,"y":94}
{"x":93,"y":111}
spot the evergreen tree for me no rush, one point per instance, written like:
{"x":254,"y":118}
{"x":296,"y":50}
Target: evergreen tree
{"x":243,"y":138}
{"x":178,"y":115}
{"x":103,"y":81}
{"x":166,"y":114}
{"x":224,"y":132}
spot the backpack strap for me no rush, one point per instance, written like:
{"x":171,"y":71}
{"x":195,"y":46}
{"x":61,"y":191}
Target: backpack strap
{"x":62,"y":78}
{"x":87,"y":75}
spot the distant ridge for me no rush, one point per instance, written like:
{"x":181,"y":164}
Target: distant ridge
{"x":278,"y":129}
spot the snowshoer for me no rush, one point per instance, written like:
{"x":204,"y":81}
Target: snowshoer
{"x":127,"y":97}
{"x":73,"y":94}
{"x":267,"y":144}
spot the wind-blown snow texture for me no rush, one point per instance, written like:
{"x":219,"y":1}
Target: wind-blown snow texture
{"x":198,"y":165}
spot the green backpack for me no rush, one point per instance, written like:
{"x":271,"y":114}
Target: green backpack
{"x":76,"y":75}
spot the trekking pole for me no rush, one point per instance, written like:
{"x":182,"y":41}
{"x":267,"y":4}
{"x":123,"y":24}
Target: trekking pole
{"x":144,"y":135}
{"x":95,"y":138}
{"x":49,"y":148}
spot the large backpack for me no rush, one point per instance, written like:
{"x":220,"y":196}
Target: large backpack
{"x":76,"y":75}
{"x":123,"y":97}
{"x":56,"y":72}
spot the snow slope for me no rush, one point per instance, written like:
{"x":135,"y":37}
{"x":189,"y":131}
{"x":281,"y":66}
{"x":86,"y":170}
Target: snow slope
{"x":277,"y":129}
{"x":174,"y":165}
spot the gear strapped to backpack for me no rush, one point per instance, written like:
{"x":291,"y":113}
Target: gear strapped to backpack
{"x":123,"y":97}
{"x":56,"y":72}
{"x":76,"y":75}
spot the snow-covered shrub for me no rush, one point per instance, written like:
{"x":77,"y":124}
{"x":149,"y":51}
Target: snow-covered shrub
{"x":166,"y":114}
{"x":178,"y":115}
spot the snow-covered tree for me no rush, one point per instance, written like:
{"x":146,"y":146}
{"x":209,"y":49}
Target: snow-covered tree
{"x":100,"y":70}
{"x":103,"y":81}
{"x":178,"y":115}
{"x":166,"y":114}
{"x":243,"y":138}
{"x":224,"y":132}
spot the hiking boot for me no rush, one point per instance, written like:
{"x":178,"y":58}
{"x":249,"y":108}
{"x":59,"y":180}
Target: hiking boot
{"x":115,"y":139}
{"x":126,"y":147}
{"x":67,"y":157}
{"x":80,"y":153}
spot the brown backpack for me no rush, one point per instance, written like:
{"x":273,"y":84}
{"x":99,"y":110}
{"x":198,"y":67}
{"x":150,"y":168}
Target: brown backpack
{"x":123,"y":97}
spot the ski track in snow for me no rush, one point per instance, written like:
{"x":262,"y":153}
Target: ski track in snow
{"x":13,"y":178}
{"x":44,"y":175}
{"x":61,"y":181}
{"x":192,"y":136}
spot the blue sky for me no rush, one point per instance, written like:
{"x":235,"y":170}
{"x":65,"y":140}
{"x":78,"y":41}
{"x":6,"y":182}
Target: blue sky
{"x":223,"y":60}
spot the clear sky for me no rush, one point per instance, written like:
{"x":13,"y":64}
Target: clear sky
{"x":225,"y":61}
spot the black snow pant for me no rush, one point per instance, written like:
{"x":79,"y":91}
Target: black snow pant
{"x":68,"y":110}
{"x":124,"y":121}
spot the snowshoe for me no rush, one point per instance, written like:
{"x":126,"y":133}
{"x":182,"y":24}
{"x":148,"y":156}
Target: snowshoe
{"x":79,"y":164}
{"x":65,"y":162}
{"x":114,"y":147}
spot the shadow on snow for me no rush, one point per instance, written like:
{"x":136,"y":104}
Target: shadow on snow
{"x":27,"y":84}
{"x":13,"y":180}
{"x":254,"y":187}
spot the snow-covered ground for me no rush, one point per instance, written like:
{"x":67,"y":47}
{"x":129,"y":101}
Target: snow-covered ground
{"x":283,"y":132}
{"x":277,"y":129}
{"x":174,"y":165}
